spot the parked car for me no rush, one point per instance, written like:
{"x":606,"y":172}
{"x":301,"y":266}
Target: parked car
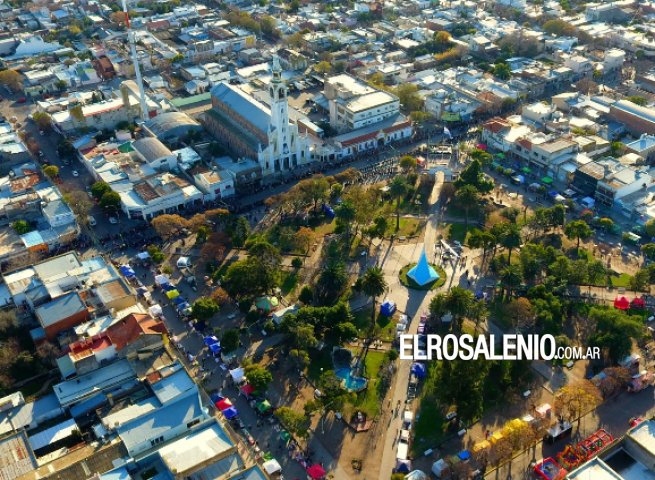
{"x":76,"y":173}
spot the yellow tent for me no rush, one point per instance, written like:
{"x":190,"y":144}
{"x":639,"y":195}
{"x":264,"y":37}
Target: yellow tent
{"x":483,"y":445}
{"x":171,"y":294}
{"x":514,"y":425}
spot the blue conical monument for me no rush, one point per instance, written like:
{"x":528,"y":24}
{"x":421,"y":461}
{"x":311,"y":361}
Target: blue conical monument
{"x":423,"y":273}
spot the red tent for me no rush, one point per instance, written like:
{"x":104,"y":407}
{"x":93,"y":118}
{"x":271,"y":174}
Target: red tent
{"x":316,"y":471}
{"x":638,"y":302}
{"x":224,"y":404}
{"x":621,"y":303}
{"x":481,"y":146}
{"x":248,"y":389}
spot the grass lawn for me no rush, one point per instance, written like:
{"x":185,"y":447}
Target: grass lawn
{"x":289,"y":282}
{"x":430,"y":427}
{"x":622,"y":280}
{"x":409,"y":283}
{"x":325,"y":228}
{"x":369,"y":400}
{"x":409,"y":226}
{"x":319,"y":359}
{"x":458,"y":231}
{"x":386,"y":325}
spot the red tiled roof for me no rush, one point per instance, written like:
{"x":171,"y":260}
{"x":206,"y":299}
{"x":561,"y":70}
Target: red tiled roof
{"x":496,"y":125}
{"x":132,"y":327}
{"x":525,"y":143}
{"x":360,"y":139}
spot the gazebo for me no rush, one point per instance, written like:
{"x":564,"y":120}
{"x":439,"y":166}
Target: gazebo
{"x":423,"y":273}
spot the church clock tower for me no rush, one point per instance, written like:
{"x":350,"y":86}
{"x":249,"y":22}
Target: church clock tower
{"x":280,"y":137}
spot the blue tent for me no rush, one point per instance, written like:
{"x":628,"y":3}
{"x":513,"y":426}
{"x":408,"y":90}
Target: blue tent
{"x":553,"y":193}
{"x":215,"y":348}
{"x":210,"y":340}
{"x":423,"y":273}
{"x":215,"y":397}
{"x":127,"y":271}
{"x":179,"y":300}
{"x":328,"y":210}
{"x":167,"y":287}
{"x":387,"y":308}
{"x":464,"y":455}
{"x":230,"y":413}
{"x":183,"y":306}
{"x":419,"y":370}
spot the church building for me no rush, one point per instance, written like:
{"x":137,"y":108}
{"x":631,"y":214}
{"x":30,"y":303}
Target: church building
{"x":250,"y":129}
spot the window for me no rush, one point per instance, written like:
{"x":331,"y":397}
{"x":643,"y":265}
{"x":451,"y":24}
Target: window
{"x":192,"y":423}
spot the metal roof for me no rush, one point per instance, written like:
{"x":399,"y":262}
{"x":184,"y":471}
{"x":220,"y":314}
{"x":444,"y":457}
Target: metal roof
{"x":59,"y":309}
{"x":41,"y":409}
{"x":151,"y":148}
{"x":163,"y":124}
{"x":78,"y":388}
{"x":137,"y":434}
{"x":53,"y":434}
{"x":16,"y":457}
{"x":172,"y":386}
{"x":243,"y":104}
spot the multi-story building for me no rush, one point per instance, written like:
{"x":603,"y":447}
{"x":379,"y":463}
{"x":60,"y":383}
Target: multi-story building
{"x":354,"y":104}
{"x":637,"y":119}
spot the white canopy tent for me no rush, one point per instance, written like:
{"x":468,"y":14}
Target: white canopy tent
{"x":155,"y":310}
{"x":238,"y":374}
{"x":271,"y":466}
{"x":162,"y":279}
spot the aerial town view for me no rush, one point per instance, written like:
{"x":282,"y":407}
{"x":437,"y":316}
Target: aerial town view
{"x":312,"y":240}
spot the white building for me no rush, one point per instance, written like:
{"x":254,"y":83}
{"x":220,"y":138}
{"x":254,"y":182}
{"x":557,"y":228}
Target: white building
{"x":354,"y":104}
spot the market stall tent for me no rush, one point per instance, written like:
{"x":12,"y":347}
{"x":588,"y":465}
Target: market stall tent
{"x":316,"y":471}
{"x":271,"y":466}
{"x":230,"y":413}
{"x":238,"y":374}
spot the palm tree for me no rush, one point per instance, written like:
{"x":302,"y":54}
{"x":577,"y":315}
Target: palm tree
{"x":510,"y":239}
{"x":458,"y":302}
{"x":478,"y":313}
{"x":373,"y":284}
{"x":398,"y":188}
{"x":467,"y":197}
{"x":511,"y":278}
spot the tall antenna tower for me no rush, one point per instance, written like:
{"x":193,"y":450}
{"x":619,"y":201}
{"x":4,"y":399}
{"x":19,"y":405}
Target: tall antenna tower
{"x":137,"y":70}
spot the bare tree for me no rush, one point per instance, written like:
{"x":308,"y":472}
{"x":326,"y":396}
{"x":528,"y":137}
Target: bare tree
{"x":576,"y":399}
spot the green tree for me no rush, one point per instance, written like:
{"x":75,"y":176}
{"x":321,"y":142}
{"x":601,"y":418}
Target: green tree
{"x":510,"y":277}
{"x":481,"y":239}
{"x":614,"y":332}
{"x":407,"y":164}
{"x":21,"y":227}
{"x":467,"y":197}
{"x":472,"y":175}
{"x":509,"y":238}
{"x":458,"y":301}
{"x":397,"y":189}
{"x":238,"y":229}
{"x":306,"y":295}
{"x":51,"y":171}
{"x":79,"y":203}
{"x":345,"y":214}
{"x":230,"y":340}
{"x":11,"y":79}
{"x":249,"y":278}
{"x":98,"y":189}
{"x":111,"y":201}
{"x":410,"y":100}
{"x":606,"y":224}
{"x":42,"y":120}
{"x":559,"y":28}
{"x":638,"y":100}
{"x":578,"y":229}
{"x":323,"y":67}
{"x":373,"y":284}
{"x":314,"y":190}
{"x":441,"y":37}
{"x":648,"y":250}
{"x":204,"y":308}
{"x":332,"y":283}
{"x":295,"y":422}
{"x":65,"y":149}
{"x":259,"y":377}
{"x":502,"y":71}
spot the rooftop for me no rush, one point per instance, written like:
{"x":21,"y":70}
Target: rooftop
{"x":246,"y":106}
{"x":172,"y":383}
{"x":79,"y":388}
{"x":16,"y":457}
{"x":59,"y":309}
{"x":196,"y":449}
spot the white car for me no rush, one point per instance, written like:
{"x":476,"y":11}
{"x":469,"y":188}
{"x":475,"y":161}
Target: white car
{"x":113,"y":220}
{"x":76,"y":173}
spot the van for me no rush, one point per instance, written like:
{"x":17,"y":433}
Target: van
{"x":92,"y":221}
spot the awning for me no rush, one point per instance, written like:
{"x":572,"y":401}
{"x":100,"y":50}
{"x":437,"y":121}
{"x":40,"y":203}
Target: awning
{"x":271,"y":466}
{"x":238,"y":374}
{"x":230,"y":413}
{"x":127,"y":271}
{"x":248,"y":389}
{"x":638,"y":302}
{"x":264,"y":406}
{"x":161,"y":279}
{"x":215,"y":398}
{"x":171,"y":294}
{"x":526,"y":170}
{"x":500,"y":155}
{"x":210,"y":340}
{"x":143,"y":256}
{"x":224,"y":404}
{"x":179,"y":300}
{"x":316,"y":471}
{"x":167,"y":287}
{"x":464,"y":455}
{"x":419,"y":370}
{"x":547,"y":180}
{"x":215,"y":348}
{"x":155,"y":310}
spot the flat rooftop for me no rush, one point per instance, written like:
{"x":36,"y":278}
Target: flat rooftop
{"x":16,"y":457}
{"x":197,"y":448}
{"x":595,"y":469}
